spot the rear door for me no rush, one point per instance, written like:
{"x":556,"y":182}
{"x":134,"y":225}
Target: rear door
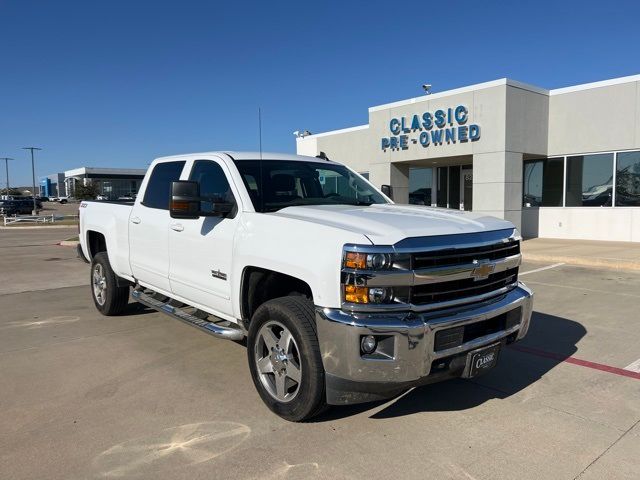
{"x":201,"y":249}
{"x":149,"y":227}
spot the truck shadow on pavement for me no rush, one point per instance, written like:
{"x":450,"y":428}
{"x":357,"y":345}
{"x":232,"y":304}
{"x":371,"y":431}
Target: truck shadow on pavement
{"x":515,"y":371}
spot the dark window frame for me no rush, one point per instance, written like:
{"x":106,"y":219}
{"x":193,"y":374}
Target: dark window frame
{"x":145,"y":200}
{"x":545,"y":166}
{"x":599,"y":198}
{"x":617,"y":186}
{"x":196,"y":163}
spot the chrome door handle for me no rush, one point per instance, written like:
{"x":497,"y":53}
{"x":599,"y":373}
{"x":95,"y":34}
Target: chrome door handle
{"x":135,"y":220}
{"x":177,"y":227}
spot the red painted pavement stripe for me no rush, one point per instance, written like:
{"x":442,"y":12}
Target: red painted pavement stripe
{"x":576,"y":361}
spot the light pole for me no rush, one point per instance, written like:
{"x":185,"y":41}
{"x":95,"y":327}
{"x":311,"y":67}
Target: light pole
{"x":33,"y":177}
{"x":6,"y":166}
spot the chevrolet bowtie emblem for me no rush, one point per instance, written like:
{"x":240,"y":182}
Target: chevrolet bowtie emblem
{"x":483,"y":270}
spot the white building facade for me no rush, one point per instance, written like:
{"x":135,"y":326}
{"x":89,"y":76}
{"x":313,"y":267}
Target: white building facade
{"x":561,"y":163}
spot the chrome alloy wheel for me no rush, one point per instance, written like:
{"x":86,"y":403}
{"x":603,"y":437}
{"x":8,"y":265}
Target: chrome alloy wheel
{"x":99,"y":283}
{"x":277,"y":360}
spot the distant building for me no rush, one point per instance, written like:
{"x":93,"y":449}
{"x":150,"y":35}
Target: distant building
{"x":110,"y":182}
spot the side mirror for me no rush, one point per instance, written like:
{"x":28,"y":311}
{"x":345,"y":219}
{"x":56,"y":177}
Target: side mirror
{"x":221,"y":209}
{"x":387,"y":190}
{"x":185,"y":199}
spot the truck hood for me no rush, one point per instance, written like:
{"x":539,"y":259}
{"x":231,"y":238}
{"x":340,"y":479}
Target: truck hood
{"x":386,"y":224}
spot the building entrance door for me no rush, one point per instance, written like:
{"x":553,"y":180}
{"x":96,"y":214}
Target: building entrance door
{"x":466,"y":180}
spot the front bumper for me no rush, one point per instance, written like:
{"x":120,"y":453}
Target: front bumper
{"x":408,"y":355}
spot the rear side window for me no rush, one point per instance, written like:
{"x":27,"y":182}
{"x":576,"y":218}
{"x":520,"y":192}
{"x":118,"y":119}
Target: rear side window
{"x":159,"y":187}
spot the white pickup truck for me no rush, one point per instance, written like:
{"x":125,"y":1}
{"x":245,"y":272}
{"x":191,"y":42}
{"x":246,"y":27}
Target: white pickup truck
{"x":342,"y":295}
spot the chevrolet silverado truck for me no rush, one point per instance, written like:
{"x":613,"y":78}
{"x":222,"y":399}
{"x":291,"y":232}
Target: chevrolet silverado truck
{"x":342,"y":296}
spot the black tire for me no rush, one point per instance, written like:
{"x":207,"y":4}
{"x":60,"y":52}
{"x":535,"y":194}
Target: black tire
{"x":113,"y":299}
{"x":298,"y":316}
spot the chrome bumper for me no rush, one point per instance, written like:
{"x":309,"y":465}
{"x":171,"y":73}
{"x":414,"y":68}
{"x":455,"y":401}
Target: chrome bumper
{"x":409,"y":358}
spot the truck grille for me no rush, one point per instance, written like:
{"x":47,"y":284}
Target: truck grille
{"x":456,"y":336}
{"x":453,"y":256}
{"x":457,"y":289}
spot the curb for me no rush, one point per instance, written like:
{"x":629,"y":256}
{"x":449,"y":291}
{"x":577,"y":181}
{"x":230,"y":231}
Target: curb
{"x":594,"y":262}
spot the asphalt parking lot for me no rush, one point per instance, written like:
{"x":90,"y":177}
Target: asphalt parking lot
{"x":145,"y":396}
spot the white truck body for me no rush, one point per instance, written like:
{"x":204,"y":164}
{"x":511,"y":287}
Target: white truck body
{"x":203,"y":262}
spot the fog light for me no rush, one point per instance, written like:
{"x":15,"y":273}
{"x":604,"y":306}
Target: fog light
{"x":368,"y":344}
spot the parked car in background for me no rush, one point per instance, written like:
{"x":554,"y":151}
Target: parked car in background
{"x":129,"y":197}
{"x":16,"y":207}
{"x":102,"y":197}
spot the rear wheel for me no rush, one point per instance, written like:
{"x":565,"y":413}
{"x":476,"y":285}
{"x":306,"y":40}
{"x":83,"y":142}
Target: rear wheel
{"x":108,"y":297}
{"x":284,"y":358}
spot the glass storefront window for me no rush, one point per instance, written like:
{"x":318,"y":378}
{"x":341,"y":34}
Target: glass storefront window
{"x":542,"y":183}
{"x":454,"y":187}
{"x":420,"y":181}
{"x":589,"y":180}
{"x":442,"y":191}
{"x":628,"y":179}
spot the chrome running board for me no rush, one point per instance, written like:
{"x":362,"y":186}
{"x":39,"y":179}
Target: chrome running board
{"x":228,"y":333}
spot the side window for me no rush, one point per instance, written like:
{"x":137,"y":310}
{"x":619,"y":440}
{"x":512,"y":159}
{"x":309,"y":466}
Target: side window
{"x":159,"y":187}
{"x":213,"y":183}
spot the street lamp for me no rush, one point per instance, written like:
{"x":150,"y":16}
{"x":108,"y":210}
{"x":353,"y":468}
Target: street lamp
{"x":6,"y":166}
{"x":33,"y":176}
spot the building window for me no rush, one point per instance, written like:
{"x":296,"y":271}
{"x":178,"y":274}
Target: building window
{"x":542,"y":182}
{"x":442,"y":195}
{"x":420,"y":181}
{"x":589,"y":180}
{"x":628,"y":179}
{"x":365,"y":175}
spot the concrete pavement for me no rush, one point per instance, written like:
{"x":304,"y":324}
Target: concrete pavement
{"x":145,"y":396}
{"x":588,"y":253}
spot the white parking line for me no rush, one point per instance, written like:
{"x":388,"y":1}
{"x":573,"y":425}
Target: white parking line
{"x":634,"y":367}
{"x":542,"y":268}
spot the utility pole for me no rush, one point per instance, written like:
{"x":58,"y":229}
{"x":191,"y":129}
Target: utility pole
{"x":6,"y":166}
{"x":33,"y":176}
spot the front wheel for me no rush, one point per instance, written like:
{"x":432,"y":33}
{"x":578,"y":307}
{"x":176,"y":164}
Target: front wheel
{"x":109,"y":298}
{"x":284,"y":358}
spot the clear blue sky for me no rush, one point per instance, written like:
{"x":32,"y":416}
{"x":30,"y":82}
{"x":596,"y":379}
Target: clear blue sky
{"x":117,"y":83}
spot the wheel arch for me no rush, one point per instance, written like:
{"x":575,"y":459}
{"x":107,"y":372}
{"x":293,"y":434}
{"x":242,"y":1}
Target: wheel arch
{"x":259,"y":285}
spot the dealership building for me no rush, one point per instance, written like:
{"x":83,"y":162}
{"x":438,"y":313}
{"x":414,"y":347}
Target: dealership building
{"x":111,"y":183}
{"x":561,"y":163}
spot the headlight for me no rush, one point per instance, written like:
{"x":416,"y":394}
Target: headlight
{"x":367,"y":261}
{"x":375,"y":276}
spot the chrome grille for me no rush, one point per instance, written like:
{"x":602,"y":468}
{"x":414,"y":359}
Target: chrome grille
{"x":456,"y":289}
{"x":453,"y":256}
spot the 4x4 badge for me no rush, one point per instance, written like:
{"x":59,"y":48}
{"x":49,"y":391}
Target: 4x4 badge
{"x":218,"y":274}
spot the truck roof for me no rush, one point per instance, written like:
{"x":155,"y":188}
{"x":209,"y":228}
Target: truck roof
{"x":249,"y":156}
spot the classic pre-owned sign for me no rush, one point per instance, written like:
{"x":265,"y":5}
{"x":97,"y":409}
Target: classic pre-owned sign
{"x":442,"y":126}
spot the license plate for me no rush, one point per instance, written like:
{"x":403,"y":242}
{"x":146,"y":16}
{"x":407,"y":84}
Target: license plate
{"x":481,"y":360}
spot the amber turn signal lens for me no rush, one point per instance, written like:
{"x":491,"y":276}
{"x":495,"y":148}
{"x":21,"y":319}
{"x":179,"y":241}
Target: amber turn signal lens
{"x":353,"y":294}
{"x":355,"y":260}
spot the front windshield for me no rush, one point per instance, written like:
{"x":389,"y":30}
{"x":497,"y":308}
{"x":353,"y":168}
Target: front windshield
{"x":276,"y":184}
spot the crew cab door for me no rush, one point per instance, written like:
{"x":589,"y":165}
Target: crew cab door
{"x":201,"y":249}
{"x":149,"y":228}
